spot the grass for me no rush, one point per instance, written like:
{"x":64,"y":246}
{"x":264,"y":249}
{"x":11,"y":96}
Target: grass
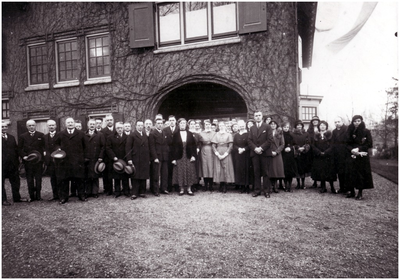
{"x":387,"y":168}
{"x":210,"y":235}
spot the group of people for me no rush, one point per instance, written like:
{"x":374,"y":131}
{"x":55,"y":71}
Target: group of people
{"x":258,"y":154}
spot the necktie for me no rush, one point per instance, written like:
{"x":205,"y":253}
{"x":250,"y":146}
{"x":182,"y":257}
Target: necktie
{"x":5,"y":136}
{"x":32,"y":133}
{"x":70,"y":131}
{"x":91,"y":132}
{"x":52,"y":135}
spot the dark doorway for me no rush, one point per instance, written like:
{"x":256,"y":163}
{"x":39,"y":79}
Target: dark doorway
{"x":203,"y":101}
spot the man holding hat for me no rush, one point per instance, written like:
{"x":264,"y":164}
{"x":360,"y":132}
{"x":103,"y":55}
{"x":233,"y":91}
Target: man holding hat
{"x":115,"y":149}
{"x":138,"y":155}
{"x":50,"y":147}
{"x":10,"y":163}
{"x":31,"y":147}
{"x":107,"y":174}
{"x":72,"y":167}
{"x":95,"y":154}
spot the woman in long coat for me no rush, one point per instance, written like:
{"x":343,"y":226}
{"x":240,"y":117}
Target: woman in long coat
{"x":276,"y":171}
{"x":313,"y":128}
{"x":206,"y":156}
{"x":192,"y":130}
{"x":289,"y":161}
{"x":358,"y":167}
{"x":222,"y":144}
{"x":242,"y":158}
{"x":324,"y":162}
{"x":183,"y":156}
{"x":302,"y":153}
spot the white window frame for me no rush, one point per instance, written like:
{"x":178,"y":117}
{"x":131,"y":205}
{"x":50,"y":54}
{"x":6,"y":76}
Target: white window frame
{"x":313,"y":114}
{"x":28,"y":63}
{"x":69,"y":83}
{"x":96,"y":80}
{"x":2,"y":100}
{"x":196,"y":44}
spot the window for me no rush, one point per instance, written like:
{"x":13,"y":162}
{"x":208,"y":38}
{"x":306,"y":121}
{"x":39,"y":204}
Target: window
{"x":37,"y":61}
{"x":187,"y":22}
{"x":5,"y":109}
{"x":98,"y":52}
{"x":67,"y":60}
{"x":308,"y":112}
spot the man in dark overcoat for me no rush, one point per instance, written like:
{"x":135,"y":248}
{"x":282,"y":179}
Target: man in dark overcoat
{"x":260,"y":139}
{"x":28,"y":142}
{"x":108,"y":172}
{"x":115,"y":149}
{"x":72,"y":167}
{"x":50,"y":147}
{"x":95,"y":153}
{"x":138,"y":155}
{"x":159,"y":159}
{"x":339,"y":137}
{"x":10,"y":163}
{"x":169,"y":133}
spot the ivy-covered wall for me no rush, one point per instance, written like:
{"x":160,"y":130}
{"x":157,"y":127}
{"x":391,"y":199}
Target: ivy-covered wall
{"x":262,"y":68}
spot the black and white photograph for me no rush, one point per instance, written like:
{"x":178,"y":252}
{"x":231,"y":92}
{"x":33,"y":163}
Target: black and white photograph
{"x":199,"y":139}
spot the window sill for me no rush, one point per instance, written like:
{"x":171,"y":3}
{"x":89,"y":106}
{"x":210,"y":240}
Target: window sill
{"x":198,"y":45}
{"x":98,"y":81}
{"x":67,"y":84}
{"x":37,"y":87}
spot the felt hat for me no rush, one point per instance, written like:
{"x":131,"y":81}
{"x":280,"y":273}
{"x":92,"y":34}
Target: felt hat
{"x":99,"y":167}
{"x":315,"y":118}
{"x":357,"y":117}
{"x":34,"y":157}
{"x":130,"y":169}
{"x":21,"y":170}
{"x":296,"y":123}
{"x":59,"y":154}
{"x":119,"y":166}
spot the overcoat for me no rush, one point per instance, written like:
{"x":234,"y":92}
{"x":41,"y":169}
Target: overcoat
{"x":158,"y":144}
{"x":50,"y":147}
{"x":28,"y":143}
{"x":10,"y":161}
{"x":358,"y":169}
{"x":323,"y":164}
{"x":137,"y":150}
{"x":242,"y":162}
{"x":94,"y":150}
{"x":275,"y":162}
{"x":289,"y":161}
{"x":74,"y":145}
{"x":304,"y":158}
{"x":339,"y":138}
{"x":260,"y":137}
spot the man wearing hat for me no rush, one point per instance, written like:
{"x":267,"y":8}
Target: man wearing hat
{"x":31,"y":147}
{"x":94,"y":153}
{"x":10,"y":163}
{"x":115,"y":149}
{"x":169,"y":132}
{"x":260,"y":139}
{"x":72,"y":167}
{"x":50,"y":147}
{"x":107,"y":173}
{"x":159,"y":159}
{"x":138,"y":155}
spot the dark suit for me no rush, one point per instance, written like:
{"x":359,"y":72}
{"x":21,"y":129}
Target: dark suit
{"x":72,"y":167}
{"x":115,"y":148}
{"x":27,"y":144}
{"x":260,"y":137}
{"x":159,"y":149}
{"x":169,"y":134}
{"x":137,"y":150}
{"x":107,"y":173}
{"x":94,"y":150}
{"x":10,"y":163}
{"x":50,"y":147}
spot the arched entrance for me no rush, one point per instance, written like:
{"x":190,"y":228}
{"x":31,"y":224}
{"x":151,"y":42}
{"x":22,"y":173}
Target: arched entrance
{"x":203,"y":101}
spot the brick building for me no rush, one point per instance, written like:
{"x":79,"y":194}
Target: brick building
{"x":134,"y":60}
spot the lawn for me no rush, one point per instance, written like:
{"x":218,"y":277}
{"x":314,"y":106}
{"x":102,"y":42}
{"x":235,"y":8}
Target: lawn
{"x":210,"y":235}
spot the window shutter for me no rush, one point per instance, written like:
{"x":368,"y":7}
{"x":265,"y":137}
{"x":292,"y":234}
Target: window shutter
{"x":252,"y":17}
{"x":141,"y":25}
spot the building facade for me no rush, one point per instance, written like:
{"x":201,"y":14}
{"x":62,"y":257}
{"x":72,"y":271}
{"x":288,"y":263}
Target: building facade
{"x":189,"y":59}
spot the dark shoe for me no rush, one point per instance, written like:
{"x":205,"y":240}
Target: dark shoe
{"x":359,"y":197}
{"x":303,"y":187}
{"x":275,"y":190}
{"x":156,"y":194}
{"x":95,"y":196}
{"x":333,"y":191}
{"x":63,"y":201}
{"x":323,"y":191}
{"x":314,"y":185}
{"x":117,"y":195}
{"x":21,"y":200}
{"x":164,"y":192}
{"x":255,"y":194}
{"x":73,"y":195}
{"x":267,"y":195}
{"x":133,"y":197}
{"x":142,"y":195}
{"x":298,"y":187}
{"x":350,"y":195}
{"x":211,"y":189}
{"x":341,"y":191}
{"x":82,"y":198}
{"x":53,"y":199}
{"x":6,"y":203}
{"x":109,"y":193}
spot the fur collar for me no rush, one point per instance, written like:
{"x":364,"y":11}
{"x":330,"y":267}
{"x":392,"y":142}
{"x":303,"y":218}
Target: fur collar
{"x":327,"y":135}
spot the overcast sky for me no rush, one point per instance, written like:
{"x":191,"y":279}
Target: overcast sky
{"x":354,"y":79}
